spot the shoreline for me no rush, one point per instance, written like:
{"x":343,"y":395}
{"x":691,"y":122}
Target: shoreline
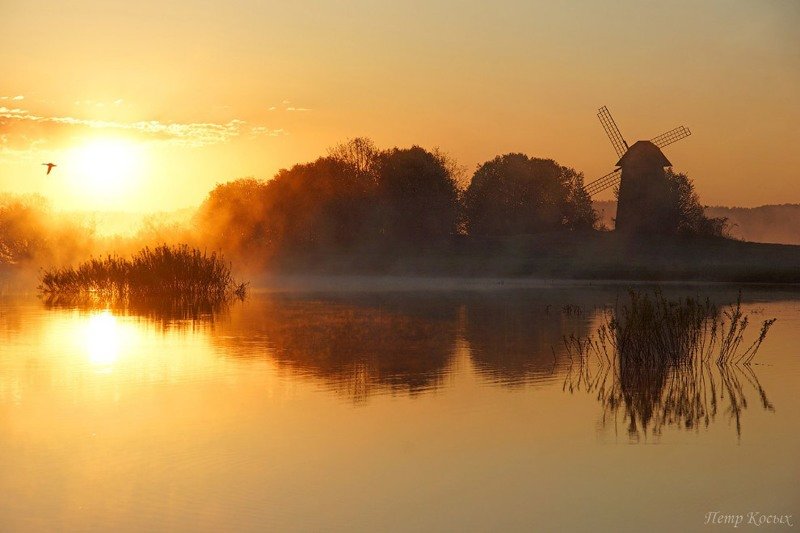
{"x":521,"y":262}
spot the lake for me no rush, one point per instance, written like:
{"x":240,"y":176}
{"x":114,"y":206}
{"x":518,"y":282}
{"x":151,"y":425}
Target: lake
{"x":384,"y":410}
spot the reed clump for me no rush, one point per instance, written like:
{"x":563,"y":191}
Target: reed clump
{"x":651,"y":329}
{"x":178,"y":272}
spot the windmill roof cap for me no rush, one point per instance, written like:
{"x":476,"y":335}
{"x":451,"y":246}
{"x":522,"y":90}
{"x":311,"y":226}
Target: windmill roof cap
{"x":642,"y":151}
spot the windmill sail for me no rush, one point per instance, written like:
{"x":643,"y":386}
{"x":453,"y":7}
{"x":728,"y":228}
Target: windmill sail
{"x":612,"y":131}
{"x":600,"y":184}
{"x":671,"y":136}
{"x":621,"y":147}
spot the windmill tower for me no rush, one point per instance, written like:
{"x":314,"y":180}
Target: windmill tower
{"x":643,"y":206}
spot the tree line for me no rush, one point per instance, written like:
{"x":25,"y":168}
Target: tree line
{"x":359,"y":197}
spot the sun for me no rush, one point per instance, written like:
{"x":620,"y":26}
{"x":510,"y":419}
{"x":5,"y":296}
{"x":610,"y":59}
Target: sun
{"x":106,"y":167}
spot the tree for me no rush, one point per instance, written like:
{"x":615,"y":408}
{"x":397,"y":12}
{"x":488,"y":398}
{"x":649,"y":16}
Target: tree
{"x":516,"y":194}
{"x":356,"y":197}
{"x":417,"y":198}
{"x":232,"y":218}
{"x":321,"y":204}
{"x":688,"y":215}
{"x":360,"y":153}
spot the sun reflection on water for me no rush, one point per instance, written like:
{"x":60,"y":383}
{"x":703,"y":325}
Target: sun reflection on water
{"x":104,"y":338}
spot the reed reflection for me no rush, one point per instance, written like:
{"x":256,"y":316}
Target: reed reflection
{"x":652,"y":398}
{"x":166,"y":312}
{"x":656,"y":363}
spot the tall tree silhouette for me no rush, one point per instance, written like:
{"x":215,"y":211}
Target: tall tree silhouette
{"x":417,"y":198}
{"x":325,"y":203}
{"x":515,"y":194}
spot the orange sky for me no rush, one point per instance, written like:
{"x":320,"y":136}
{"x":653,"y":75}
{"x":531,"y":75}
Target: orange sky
{"x":146,"y":105}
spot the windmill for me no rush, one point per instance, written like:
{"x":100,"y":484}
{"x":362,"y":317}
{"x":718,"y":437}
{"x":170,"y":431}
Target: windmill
{"x":640,"y":175}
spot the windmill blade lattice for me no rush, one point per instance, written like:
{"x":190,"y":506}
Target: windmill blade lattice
{"x":671,"y":136}
{"x":600,"y":184}
{"x":612,"y":131}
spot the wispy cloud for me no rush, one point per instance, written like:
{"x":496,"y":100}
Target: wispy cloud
{"x":257,"y":131}
{"x":20,"y":128}
{"x":290,"y":108}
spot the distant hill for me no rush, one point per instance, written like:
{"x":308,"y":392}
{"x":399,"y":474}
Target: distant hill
{"x":768,"y":223}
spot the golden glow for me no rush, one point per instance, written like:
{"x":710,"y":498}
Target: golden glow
{"x":519,"y":77}
{"x":103,"y":337}
{"x":105,"y":168}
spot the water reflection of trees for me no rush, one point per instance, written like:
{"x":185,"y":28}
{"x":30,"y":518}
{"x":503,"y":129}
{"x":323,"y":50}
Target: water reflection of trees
{"x":404,"y":342}
{"x":355,"y":346}
{"x":511,"y":337}
{"x":510,"y":342}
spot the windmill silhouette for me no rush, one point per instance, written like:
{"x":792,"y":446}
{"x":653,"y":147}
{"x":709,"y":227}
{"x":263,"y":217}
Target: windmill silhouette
{"x":643,"y":187}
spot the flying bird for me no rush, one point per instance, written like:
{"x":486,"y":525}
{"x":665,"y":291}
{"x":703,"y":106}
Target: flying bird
{"x":49,"y":166}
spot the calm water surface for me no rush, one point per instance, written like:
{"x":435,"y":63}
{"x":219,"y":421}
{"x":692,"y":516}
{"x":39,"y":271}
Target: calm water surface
{"x":382,"y":411}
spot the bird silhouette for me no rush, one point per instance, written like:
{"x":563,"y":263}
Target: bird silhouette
{"x":49,"y":166}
